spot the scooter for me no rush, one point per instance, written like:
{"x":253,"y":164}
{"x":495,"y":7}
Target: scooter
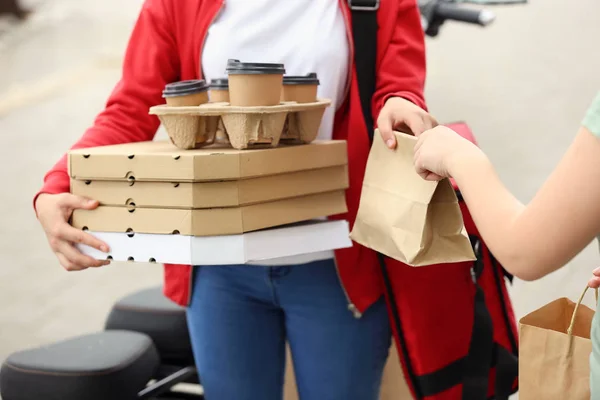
{"x":145,"y":350}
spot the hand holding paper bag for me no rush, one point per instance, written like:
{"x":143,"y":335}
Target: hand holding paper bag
{"x":409,"y":219}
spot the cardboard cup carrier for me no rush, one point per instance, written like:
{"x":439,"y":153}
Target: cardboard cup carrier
{"x":192,"y":132}
{"x":254,"y":117}
{"x":219,"y":93}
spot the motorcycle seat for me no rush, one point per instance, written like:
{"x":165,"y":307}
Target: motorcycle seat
{"x":148,"y":311}
{"x":112,"y":365}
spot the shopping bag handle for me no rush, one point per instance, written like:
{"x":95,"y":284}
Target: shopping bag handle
{"x":570,"y":329}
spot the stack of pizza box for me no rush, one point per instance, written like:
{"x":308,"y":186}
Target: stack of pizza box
{"x":212,"y":205}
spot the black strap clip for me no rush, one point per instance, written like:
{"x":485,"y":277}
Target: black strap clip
{"x":363,"y":5}
{"x":477,"y":267}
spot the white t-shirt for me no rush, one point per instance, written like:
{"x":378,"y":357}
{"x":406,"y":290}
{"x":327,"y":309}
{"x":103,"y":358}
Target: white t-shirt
{"x":305,"y":35}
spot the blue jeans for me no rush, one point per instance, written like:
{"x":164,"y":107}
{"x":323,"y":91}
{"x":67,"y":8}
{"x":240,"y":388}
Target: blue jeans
{"x":241,"y":316}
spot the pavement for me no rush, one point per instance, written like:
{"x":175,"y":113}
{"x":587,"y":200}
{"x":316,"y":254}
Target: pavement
{"x":522,"y":84}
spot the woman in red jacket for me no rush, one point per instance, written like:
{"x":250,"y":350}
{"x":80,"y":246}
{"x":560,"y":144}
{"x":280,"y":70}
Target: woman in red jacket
{"x":240,"y":316}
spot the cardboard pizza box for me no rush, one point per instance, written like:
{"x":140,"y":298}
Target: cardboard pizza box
{"x":301,"y":239}
{"x":192,"y":195}
{"x":162,"y":161}
{"x":212,"y":221}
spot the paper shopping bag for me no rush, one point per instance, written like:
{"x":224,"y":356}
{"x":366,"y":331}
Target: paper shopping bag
{"x":554,"y":352}
{"x":401,"y":215}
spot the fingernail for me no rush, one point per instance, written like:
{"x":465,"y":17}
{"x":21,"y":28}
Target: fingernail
{"x":390,"y":143}
{"x":104,"y":249}
{"x":596,"y":271}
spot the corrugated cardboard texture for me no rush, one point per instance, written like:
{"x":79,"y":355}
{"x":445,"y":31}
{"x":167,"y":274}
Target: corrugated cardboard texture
{"x":247,"y":127}
{"x":210,"y":222}
{"x":161,"y":161}
{"x":213,"y":194}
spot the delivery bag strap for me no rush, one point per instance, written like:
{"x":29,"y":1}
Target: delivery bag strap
{"x":479,"y":358}
{"x":364,"y":35}
{"x":441,"y":380}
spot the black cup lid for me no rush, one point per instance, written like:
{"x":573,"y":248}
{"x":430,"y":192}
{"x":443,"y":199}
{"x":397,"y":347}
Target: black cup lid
{"x":240,"y":68}
{"x":183,"y":88}
{"x":308,"y":79}
{"x":222,"y":83}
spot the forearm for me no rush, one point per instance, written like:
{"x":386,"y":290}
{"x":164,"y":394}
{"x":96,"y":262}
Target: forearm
{"x":495,"y":211}
{"x":532,"y":241}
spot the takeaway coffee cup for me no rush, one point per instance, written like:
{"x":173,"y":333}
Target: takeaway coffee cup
{"x":219,"y":93}
{"x":254,"y":84}
{"x":219,"y":90}
{"x":301,"y":89}
{"x":186,"y":93}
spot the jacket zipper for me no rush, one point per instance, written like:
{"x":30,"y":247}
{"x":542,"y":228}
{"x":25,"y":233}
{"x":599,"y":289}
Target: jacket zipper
{"x":201,"y":73}
{"x":351,"y":306}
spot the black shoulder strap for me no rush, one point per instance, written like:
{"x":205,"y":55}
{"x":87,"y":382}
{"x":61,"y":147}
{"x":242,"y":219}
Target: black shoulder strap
{"x":364,"y":34}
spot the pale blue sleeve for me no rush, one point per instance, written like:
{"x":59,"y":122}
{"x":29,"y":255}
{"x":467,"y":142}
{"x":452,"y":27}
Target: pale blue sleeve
{"x":592,"y":123}
{"x":592,"y":117}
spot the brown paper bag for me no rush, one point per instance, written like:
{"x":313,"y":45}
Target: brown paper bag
{"x":554,"y":352}
{"x":405,"y":217}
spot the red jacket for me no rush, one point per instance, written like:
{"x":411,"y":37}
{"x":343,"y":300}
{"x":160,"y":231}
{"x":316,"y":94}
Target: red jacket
{"x":166,"y":45}
{"x":436,"y":305}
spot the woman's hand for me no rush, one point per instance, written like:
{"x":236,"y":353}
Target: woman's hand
{"x":438,"y":149}
{"x":400,"y":114}
{"x":54,"y":211}
{"x":594,"y":283}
